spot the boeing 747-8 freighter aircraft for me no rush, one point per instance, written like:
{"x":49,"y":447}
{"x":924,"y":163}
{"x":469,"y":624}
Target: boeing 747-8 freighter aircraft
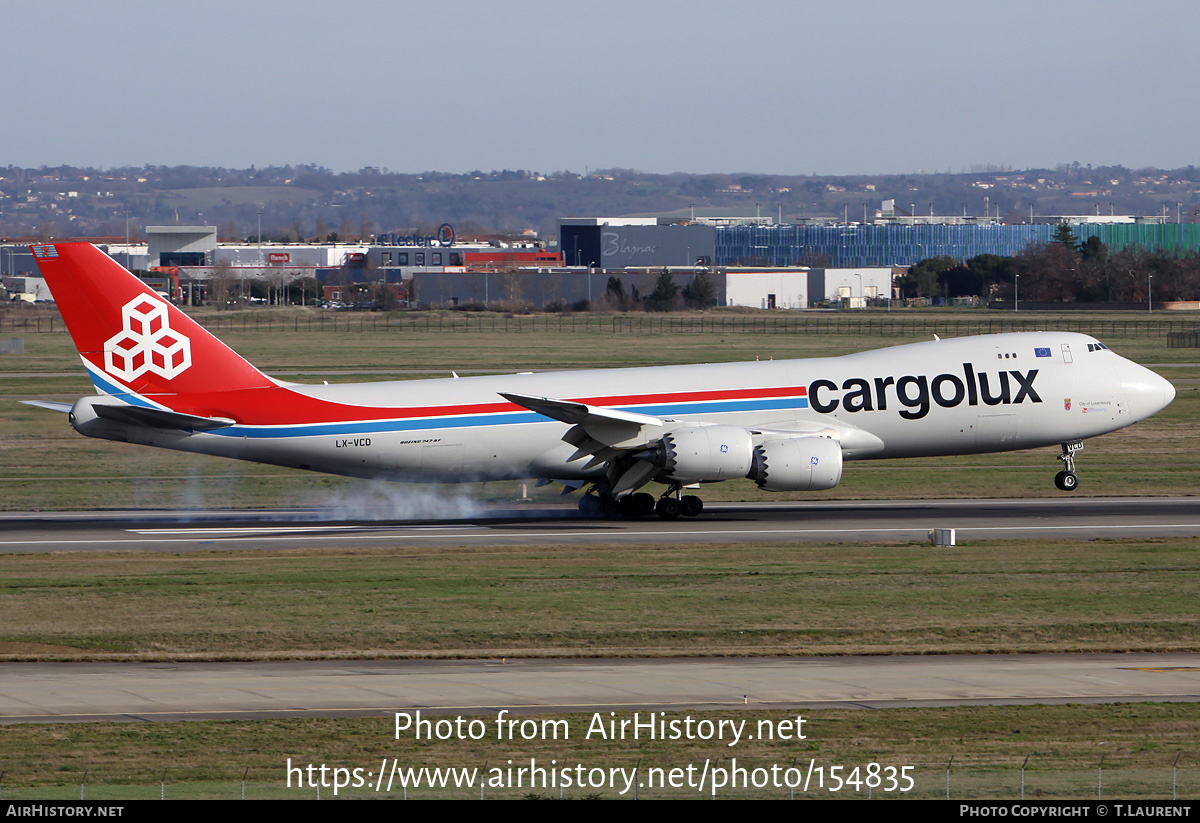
{"x":162,"y":380}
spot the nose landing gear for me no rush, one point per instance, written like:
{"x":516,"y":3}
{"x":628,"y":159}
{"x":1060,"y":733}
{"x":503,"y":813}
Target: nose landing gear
{"x":1067,"y":480}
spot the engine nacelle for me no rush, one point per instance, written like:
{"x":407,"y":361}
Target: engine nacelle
{"x":704,"y":454}
{"x":797,"y":464}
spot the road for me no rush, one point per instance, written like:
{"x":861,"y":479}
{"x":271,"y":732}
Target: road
{"x":44,"y":692}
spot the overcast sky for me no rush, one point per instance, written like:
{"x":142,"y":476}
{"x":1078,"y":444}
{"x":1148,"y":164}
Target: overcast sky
{"x":655,"y":85}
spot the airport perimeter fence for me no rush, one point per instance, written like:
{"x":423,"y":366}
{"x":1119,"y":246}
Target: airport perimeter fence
{"x":638,"y":779}
{"x":653,"y":324}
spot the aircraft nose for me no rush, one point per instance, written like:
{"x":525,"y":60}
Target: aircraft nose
{"x":1148,"y":393}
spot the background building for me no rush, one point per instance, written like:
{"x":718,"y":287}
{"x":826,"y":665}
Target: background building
{"x":750,"y":240}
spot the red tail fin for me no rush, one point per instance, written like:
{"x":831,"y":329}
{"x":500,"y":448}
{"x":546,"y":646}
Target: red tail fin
{"x":126,"y":331}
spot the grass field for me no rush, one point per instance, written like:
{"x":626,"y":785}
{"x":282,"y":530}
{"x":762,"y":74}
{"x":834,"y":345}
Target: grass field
{"x":1139,"y":744}
{"x":787,"y":599}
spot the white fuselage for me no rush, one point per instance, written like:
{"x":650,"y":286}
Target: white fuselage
{"x":957,"y":396}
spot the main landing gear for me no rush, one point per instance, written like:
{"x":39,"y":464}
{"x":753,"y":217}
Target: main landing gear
{"x":670,"y":506}
{"x":1067,"y":480}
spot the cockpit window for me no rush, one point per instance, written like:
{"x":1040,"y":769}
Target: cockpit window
{"x":1097,"y":347}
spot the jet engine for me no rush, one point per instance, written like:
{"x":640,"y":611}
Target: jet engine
{"x":797,"y":464}
{"x":705,"y":454}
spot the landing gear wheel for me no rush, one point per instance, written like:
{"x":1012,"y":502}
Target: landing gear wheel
{"x":1066,"y":481}
{"x":589,"y":505}
{"x":668,"y":508}
{"x":610,"y":506}
{"x":690,"y":505}
{"x":644,"y":504}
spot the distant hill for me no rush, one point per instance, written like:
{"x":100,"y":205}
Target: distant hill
{"x":298,"y":202}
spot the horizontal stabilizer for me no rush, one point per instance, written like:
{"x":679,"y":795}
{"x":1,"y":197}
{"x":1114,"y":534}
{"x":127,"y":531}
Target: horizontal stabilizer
{"x":47,"y":404}
{"x":160,"y":418}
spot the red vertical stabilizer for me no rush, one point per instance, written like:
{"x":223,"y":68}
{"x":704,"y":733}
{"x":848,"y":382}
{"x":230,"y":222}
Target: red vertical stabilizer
{"x":126,"y":331}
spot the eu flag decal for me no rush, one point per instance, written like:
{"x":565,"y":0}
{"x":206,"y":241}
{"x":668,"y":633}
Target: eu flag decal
{"x":1041,"y":352}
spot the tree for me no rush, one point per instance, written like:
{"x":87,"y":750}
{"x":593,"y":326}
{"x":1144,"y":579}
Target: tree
{"x":385,"y":297}
{"x":992,"y":270}
{"x":615,"y":296}
{"x":305,"y":286}
{"x":1065,"y":237}
{"x":1049,"y":272}
{"x":923,"y":277}
{"x":221,"y":281}
{"x":1093,"y":250}
{"x":700,"y":293}
{"x":665,"y":295}
{"x":960,"y":281}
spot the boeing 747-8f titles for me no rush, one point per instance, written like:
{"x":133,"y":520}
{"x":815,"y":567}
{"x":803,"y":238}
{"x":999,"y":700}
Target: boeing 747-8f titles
{"x":162,"y":380}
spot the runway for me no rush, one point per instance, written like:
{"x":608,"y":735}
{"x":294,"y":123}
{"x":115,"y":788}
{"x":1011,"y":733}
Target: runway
{"x":892,"y":521}
{"x":159,"y":692}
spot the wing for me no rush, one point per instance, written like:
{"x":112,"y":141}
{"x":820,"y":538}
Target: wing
{"x":596,"y":432}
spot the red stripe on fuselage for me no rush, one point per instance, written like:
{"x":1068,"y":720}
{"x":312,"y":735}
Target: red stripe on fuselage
{"x":283,"y":406}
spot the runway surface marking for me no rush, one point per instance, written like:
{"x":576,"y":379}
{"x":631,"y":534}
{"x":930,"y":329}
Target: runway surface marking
{"x":419,"y":532}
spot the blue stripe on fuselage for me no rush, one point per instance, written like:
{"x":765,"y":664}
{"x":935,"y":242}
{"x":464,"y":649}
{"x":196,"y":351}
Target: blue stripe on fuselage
{"x":116,"y":391}
{"x":481,"y":420}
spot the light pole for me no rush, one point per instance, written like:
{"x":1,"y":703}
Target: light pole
{"x":1149,"y":293}
{"x":861,"y":297}
{"x":1016,"y":293}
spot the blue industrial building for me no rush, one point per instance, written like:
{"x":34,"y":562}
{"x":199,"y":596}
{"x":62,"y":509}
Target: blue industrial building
{"x":875,"y":244}
{"x":621,"y":242}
